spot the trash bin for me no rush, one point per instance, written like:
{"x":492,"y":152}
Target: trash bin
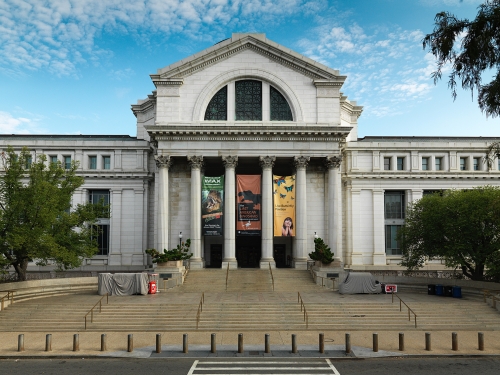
{"x":439,"y":290}
{"x":152,"y":287}
{"x":431,"y":289}
{"x":457,"y":292}
{"x":448,"y":291}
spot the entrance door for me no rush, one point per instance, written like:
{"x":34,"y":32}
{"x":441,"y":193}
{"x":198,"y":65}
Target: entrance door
{"x":215,"y":256}
{"x":248,"y":251}
{"x":280,"y":256}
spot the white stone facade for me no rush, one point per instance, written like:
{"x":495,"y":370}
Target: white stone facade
{"x":341,"y":181}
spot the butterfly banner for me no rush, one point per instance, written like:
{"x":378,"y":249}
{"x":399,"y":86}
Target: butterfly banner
{"x":248,"y":205}
{"x":284,"y":206}
{"x":212,"y":205}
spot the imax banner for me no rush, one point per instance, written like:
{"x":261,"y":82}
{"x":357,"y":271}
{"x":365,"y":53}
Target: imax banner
{"x":284,"y":206}
{"x":248,"y":197}
{"x":212,"y":205}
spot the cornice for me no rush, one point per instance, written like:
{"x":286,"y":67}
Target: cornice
{"x":420,"y":176}
{"x":145,"y":106}
{"x":158,"y":80}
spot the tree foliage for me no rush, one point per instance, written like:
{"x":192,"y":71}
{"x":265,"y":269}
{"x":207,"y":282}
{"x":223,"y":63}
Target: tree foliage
{"x":181,"y":252}
{"x":36,"y":219}
{"x":321,"y":252}
{"x":460,"y":226}
{"x":472,"y":48}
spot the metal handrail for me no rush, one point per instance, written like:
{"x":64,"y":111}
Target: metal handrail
{"x":400,"y":307}
{"x":91,"y":312}
{"x":272,"y":277}
{"x":200,"y":309}
{"x":227,"y":274}
{"x":303,"y":306}
{"x":9,"y":295}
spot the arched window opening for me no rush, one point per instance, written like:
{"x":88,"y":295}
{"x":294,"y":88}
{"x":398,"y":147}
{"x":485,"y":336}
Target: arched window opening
{"x":248,"y":100}
{"x":217,"y":108}
{"x":280,"y":110}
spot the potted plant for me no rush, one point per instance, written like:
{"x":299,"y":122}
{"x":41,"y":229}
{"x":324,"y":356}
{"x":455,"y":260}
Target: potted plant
{"x":171,"y":258}
{"x":322,"y":252}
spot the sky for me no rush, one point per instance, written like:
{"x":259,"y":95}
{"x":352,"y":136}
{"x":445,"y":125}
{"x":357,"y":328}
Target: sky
{"x":76,"y":66}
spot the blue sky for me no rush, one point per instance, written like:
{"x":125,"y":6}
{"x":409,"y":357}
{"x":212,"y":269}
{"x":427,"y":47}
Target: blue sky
{"x":76,"y":66}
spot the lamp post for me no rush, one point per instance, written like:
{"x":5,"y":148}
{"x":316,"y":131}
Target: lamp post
{"x":180,"y":238}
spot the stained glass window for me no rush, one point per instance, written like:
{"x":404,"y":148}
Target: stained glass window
{"x":217,"y":108}
{"x":280,"y":110}
{"x":248,"y":100}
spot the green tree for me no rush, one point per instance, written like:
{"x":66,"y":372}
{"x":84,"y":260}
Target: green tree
{"x":36,"y":223}
{"x":470,"y":49}
{"x":321,"y":252}
{"x":462,"y":227}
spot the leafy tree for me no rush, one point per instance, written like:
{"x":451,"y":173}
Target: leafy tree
{"x":478,"y":52}
{"x":321,"y":252}
{"x":460,"y":226}
{"x":181,"y":252}
{"x":36,"y":223}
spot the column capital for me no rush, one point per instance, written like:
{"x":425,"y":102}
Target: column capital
{"x":196,"y":162}
{"x":301,"y":162}
{"x":163,"y":161}
{"x":230,"y":161}
{"x":333,"y":161}
{"x":267,"y":161}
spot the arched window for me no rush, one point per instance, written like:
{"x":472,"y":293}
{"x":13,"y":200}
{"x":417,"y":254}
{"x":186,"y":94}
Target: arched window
{"x":217,"y":108}
{"x":280,"y":110}
{"x":248,"y":100}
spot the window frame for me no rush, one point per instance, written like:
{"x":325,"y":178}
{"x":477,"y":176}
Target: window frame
{"x":402,"y":164}
{"x":92,"y":162}
{"x":425,"y":166}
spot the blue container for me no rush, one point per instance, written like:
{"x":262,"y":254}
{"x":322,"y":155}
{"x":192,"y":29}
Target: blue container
{"x":457,"y":292}
{"x":439,"y":290}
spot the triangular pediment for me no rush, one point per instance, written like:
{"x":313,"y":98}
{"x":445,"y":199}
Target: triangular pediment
{"x":240,"y":42}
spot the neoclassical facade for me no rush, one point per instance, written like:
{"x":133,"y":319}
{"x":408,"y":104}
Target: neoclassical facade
{"x":248,"y":106}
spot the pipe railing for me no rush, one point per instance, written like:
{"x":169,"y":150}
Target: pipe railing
{"x":200,"y":309}
{"x":91,"y":312}
{"x":303,"y":306}
{"x":272,"y":277}
{"x":227,"y":274}
{"x":400,"y":308}
{"x":9,"y":295}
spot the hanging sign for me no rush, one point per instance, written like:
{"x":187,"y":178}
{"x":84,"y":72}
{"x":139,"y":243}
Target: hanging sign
{"x":248,"y":205}
{"x":284,"y":206}
{"x":212,"y":205}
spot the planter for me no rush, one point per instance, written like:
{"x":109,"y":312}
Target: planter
{"x":171,"y":263}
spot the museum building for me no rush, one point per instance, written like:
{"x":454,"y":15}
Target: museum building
{"x":251,"y":150}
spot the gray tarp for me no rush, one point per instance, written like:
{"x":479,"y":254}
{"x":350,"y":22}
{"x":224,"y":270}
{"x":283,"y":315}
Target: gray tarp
{"x":122,"y":284}
{"x":359,"y":282}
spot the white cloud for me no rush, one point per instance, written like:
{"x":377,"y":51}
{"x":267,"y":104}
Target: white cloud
{"x":10,"y":124}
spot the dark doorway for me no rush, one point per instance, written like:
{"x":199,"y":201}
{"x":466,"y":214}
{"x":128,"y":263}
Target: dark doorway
{"x":248,"y":251}
{"x":280,"y":256}
{"x":215,"y":256}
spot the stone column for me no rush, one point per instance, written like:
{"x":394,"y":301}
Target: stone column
{"x":335,"y":208}
{"x":379,"y":257}
{"x":230,"y":163}
{"x":196,"y":163}
{"x":163,"y":163}
{"x":267,"y":257}
{"x":301,"y":252}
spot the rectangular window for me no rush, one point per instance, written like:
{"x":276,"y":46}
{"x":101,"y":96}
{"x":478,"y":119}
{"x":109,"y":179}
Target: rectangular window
{"x":96,"y":195}
{"x":394,"y":202}
{"x":67,"y":162}
{"x":387,"y":164}
{"x":498,"y":159}
{"x":400,"y":164}
{"x":475,"y":164}
{"x":29,"y":160}
{"x":463,"y":164}
{"x":53,"y":159}
{"x":438,"y":164}
{"x":391,"y":242}
{"x":101,"y":234}
{"x":425,"y":164}
{"x":106,"y":162}
{"x":92,"y":162}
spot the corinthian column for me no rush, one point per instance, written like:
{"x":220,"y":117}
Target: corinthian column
{"x":300,"y":255}
{"x":230,"y":163}
{"x":163,"y":163}
{"x":267,"y":163}
{"x":335,"y":207}
{"x":196,"y":162}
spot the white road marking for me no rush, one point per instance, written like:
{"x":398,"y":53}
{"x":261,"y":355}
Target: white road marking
{"x":193,"y":368}
{"x":332,"y":366}
{"x":291,"y":366}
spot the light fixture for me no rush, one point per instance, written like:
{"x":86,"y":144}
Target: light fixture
{"x":180,"y":238}
{"x":315,"y":235}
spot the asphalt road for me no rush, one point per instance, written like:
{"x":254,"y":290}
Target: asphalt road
{"x":316,"y":366}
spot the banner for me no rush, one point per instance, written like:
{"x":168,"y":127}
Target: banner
{"x":212,"y":205}
{"x":248,"y":198}
{"x":284,"y":206}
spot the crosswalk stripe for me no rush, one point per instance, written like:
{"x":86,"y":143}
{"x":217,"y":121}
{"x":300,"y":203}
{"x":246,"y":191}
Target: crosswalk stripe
{"x":321,"y":368}
{"x":332,"y":367}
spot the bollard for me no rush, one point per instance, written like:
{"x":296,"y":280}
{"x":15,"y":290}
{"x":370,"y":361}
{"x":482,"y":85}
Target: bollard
{"x":130,"y":343}
{"x":294,"y":343}
{"x":427,"y":341}
{"x":480,"y":340}
{"x":402,"y":341}
{"x":213,"y":343}
{"x":76,"y":342}
{"x":158,"y":343}
{"x":185,"y":343}
{"x":322,"y":343}
{"x":267,"y":346}
{"x":454,"y":341}
{"x":48,"y":343}
{"x":375,"y":342}
{"x":103,"y":343}
{"x":347,"y":343}
{"x":240,"y":343}
{"x":20,"y":343}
